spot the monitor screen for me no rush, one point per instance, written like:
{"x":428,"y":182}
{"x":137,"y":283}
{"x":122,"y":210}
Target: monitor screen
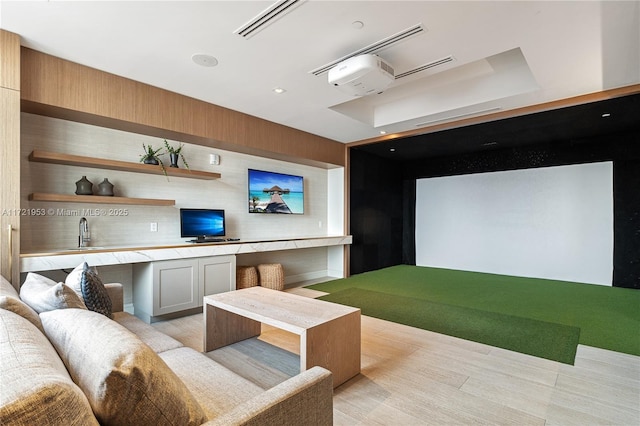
{"x":201,"y":223}
{"x":271,"y":192}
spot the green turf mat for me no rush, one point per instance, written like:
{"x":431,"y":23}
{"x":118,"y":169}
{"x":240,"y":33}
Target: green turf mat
{"x":608,"y":317}
{"x":556,"y":342}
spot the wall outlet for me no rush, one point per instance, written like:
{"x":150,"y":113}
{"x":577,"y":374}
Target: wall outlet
{"x":153,"y":227}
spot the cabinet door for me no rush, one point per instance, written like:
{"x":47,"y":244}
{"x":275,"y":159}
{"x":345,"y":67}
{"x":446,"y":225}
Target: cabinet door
{"x":217,"y":274}
{"x":175,"y":286}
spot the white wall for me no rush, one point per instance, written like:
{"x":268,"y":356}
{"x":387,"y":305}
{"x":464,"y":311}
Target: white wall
{"x":554,"y":222}
{"x":229,"y":192}
{"x":55,"y":232}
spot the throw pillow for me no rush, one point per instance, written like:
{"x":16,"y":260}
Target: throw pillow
{"x":43,"y":294}
{"x":36,"y":388}
{"x":74,"y":277}
{"x":125,"y":381}
{"x":94,"y":293}
{"x":84,"y":280}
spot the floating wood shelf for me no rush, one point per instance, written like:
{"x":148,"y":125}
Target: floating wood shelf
{"x":102,"y":163}
{"x":97,"y":199}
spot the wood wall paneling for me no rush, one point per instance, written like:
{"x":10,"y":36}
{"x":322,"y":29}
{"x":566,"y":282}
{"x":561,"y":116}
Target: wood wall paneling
{"x":62,"y":89}
{"x":9,"y":60}
{"x":9,"y":156}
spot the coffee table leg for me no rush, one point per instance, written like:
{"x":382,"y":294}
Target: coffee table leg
{"x":222,"y":328}
{"x":334,"y":345}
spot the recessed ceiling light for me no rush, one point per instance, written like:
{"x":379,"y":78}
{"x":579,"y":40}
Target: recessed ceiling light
{"x":204,"y":60}
{"x":358,"y":25}
{"x":279,"y":90}
{"x":392,"y":149}
{"x":606,"y":114}
{"x":383,"y":132}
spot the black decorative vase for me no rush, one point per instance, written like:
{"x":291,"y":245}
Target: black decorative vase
{"x":105,"y":188}
{"x":84,"y":186}
{"x":151,"y":161}
{"x":174,"y":160}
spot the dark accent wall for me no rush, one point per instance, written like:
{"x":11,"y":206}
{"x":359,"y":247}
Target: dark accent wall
{"x":626,"y":229}
{"x":375,"y":212}
{"x":622,"y":148}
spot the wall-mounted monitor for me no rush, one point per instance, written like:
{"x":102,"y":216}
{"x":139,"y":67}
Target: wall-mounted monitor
{"x":202,"y":224}
{"x":271,"y":192}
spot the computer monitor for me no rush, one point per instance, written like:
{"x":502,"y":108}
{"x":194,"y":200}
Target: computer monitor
{"x":202,"y":223}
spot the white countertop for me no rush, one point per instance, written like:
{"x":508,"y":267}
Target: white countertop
{"x":58,"y":259}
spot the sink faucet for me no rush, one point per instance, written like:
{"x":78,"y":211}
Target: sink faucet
{"x":84,"y":236}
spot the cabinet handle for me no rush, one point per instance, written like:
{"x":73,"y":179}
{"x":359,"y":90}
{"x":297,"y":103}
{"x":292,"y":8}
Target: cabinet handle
{"x":10,"y":244}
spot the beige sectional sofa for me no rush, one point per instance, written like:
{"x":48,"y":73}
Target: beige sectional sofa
{"x":74,"y":366}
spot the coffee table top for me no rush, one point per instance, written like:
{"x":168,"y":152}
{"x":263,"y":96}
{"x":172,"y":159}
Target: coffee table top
{"x":286,"y":311}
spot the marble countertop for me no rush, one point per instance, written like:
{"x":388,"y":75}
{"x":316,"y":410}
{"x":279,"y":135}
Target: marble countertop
{"x":70,"y":258}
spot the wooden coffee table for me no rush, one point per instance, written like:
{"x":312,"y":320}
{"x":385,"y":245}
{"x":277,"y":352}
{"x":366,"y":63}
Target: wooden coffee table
{"x":329,"y":332}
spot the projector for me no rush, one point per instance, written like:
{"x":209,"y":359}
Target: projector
{"x":362,"y":75}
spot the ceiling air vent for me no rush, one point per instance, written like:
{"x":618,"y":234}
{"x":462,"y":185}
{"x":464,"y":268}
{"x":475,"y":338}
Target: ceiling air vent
{"x":267,"y":17}
{"x":426,"y":67}
{"x":373,"y":48}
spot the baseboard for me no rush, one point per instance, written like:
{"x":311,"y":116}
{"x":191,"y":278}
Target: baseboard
{"x":291,"y":280}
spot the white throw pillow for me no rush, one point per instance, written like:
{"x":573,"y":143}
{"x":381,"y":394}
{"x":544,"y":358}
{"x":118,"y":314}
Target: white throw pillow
{"x":43,"y":294}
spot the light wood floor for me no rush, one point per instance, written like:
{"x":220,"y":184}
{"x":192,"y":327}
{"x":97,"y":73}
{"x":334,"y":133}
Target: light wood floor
{"x":413,"y":377}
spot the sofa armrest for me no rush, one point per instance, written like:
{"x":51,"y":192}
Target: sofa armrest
{"x":115,"y":292}
{"x":305,"y":399}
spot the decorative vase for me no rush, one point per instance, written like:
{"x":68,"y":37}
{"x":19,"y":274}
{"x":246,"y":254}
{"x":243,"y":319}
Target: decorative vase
{"x":174,"y":160}
{"x":105,"y":188}
{"x":151,"y":160}
{"x":84,"y":186}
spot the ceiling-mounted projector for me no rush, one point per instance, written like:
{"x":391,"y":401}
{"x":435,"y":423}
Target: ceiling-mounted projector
{"x":362,"y":75}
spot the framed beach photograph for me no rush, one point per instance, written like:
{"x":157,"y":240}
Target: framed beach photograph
{"x":275,"y":193}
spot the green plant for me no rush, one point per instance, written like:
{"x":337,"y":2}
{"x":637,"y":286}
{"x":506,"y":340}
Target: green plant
{"x":176,"y":151}
{"x":152,"y":154}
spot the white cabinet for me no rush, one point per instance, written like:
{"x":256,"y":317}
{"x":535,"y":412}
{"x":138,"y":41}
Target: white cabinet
{"x":170,"y":286}
{"x":216,"y":274}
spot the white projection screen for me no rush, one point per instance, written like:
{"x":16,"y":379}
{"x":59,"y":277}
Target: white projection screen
{"x":552,"y":222}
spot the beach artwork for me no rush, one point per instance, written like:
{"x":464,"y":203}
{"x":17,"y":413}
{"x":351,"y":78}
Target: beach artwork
{"x":271,"y":192}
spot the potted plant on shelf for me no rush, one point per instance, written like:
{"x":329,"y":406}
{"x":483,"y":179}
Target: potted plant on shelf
{"x":174,"y":153}
{"x":152,"y":156}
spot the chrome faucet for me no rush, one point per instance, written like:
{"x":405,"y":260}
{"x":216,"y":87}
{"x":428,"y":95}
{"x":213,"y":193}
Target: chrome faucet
{"x":84,"y":236}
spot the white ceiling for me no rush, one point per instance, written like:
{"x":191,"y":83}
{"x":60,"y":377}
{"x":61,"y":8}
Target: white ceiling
{"x":507,"y":54}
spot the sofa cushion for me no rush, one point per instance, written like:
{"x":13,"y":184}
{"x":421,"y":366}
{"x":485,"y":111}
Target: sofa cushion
{"x":17,"y":306}
{"x":215,"y":387}
{"x":43,"y":294}
{"x":6,"y":289}
{"x":125,"y":381}
{"x":10,"y":300}
{"x":35,"y":386}
{"x":157,"y":341}
{"x":84,"y":280}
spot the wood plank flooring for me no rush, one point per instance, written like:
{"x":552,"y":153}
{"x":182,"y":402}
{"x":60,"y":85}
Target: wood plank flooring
{"x":417,"y":377}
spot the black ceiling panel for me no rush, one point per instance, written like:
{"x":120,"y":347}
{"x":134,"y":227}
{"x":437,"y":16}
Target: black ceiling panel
{"x":570,"y":124}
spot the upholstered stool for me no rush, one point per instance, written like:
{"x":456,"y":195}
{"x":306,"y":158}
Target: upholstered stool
{"x":246,"y":276}
{"x":271,"y":276}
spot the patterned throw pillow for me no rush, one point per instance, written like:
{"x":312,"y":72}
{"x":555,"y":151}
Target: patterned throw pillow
{"x":94,"y":293}
{"x":75,"y":276}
